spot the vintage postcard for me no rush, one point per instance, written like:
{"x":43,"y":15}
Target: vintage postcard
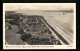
{"x":39,"y":25}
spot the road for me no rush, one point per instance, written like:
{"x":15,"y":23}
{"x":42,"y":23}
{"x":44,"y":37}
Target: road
{"x":53,"y":33}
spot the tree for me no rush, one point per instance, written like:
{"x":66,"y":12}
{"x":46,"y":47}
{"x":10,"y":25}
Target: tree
{"x":20,"y":31}
{"x":9,"y":27}
{"x":25,"y":37}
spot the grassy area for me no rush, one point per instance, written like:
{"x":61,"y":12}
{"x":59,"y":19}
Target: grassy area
{"x":12,"y":38}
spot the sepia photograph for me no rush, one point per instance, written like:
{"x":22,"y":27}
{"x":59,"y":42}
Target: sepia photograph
{"x":39,"y":25}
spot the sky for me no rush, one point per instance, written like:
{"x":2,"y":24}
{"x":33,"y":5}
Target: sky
{"x":38,"y":6}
